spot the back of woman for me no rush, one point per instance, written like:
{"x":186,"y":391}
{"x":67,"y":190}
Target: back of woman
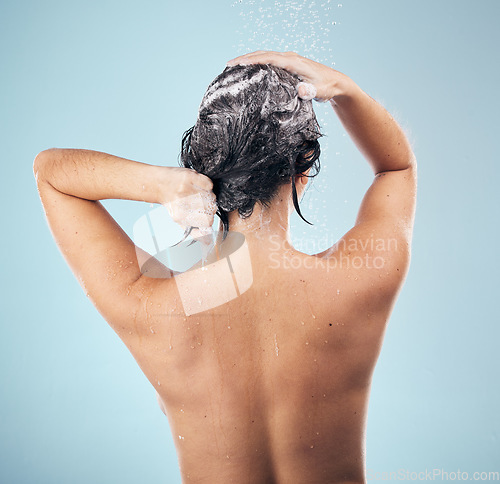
{"x":275,"y":381}
{"x":261,"y":356}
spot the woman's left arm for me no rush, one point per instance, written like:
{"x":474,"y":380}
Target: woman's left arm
{"x":100,"y":254}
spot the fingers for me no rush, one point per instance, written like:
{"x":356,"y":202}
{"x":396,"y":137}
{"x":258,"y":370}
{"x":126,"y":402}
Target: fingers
{"x":285,"y":60}
{"x":196,"y":210}
{"x":203,"y":182}
{"x":246,"y":58}
{"x":306,"y":91}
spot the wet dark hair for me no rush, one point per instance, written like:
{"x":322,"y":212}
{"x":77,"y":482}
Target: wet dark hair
{"x":253,"y":134}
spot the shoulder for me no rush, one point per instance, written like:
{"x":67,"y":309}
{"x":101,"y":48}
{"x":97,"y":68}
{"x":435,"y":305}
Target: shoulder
{"x":374,"y":262}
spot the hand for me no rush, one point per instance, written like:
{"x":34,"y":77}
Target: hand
{"x":189,"y":198}
{"x":327,"y":82}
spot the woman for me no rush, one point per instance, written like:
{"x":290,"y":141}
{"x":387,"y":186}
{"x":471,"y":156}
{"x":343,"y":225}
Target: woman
{"x":271,"y":385}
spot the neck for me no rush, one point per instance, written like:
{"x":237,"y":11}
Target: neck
{"x":265,"y":225}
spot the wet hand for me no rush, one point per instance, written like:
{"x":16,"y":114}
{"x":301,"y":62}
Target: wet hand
{"x":189,"y":198}
{"x":325,"y":81}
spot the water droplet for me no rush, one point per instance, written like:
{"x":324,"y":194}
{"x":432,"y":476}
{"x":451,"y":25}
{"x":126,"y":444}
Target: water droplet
{"x":151,"y":329}
{"x":229,"y":327}
{"x":159,"y":383}
{"x":302,"y":323}
{"x":307,"y":342}
{"x":338,"y":291}
{"x":181,"y":437}
{"x":182,"y":411}
{"x":312,"y":446}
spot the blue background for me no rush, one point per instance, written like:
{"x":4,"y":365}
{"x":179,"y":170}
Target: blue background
{"x":126,"y":78}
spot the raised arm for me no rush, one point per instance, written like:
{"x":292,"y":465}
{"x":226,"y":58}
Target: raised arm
{"x":99,"y":252}
{"x":387,"y":211}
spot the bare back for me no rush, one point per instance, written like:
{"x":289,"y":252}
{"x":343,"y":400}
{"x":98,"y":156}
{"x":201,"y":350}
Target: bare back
{"x":272,"y":386}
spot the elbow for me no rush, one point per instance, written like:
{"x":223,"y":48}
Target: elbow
{"x":41,"y":161}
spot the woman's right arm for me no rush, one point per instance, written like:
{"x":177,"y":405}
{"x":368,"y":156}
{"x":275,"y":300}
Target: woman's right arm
{"x":387,"y":210}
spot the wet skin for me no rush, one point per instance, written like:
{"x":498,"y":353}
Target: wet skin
{"x":271,"y":386}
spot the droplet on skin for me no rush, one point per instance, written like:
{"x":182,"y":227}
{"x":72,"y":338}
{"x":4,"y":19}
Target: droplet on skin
{"x":338,"y":291}
{"x":151,"y":329}
{"x":159,"y":383}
